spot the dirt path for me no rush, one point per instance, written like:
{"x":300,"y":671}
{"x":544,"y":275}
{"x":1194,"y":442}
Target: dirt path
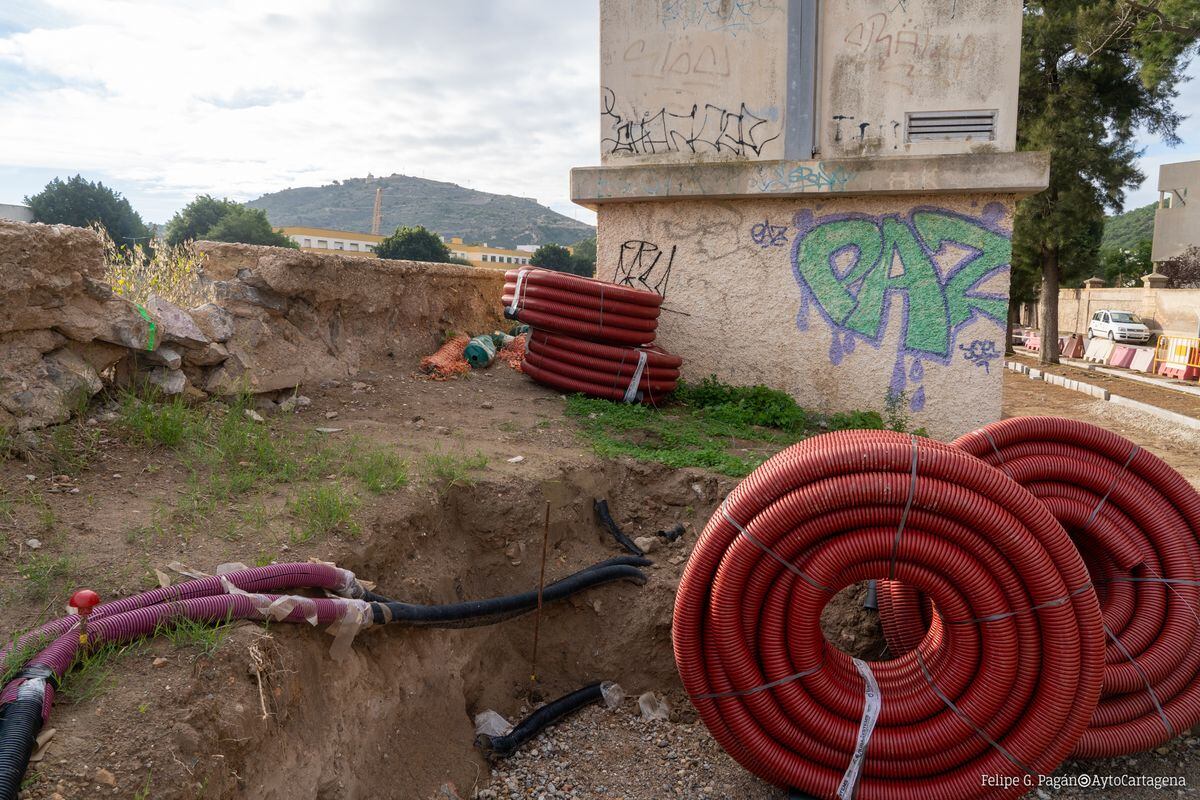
{"x":171,"y":721}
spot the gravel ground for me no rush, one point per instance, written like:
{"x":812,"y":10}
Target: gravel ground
{"x":614,"y":754}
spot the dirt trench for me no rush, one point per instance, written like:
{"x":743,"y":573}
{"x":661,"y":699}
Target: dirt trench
{"x":395,"y":718}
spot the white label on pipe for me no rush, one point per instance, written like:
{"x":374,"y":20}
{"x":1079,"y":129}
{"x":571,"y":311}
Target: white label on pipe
{"x":866,"y":727}
{"x":631,"y":390}
{"x":516,"y":301}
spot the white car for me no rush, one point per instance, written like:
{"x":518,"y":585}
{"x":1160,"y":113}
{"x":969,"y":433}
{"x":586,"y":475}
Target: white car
{"x":1119,"y":326}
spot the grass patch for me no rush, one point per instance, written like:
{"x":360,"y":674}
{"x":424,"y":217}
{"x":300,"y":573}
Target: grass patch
{"x":704,"y":422}
{"x":379,"y":470}
{"x":70,"y":449}
{"x":323,"y":510}
{"x":43,"y":574}
{"x":149,"y":420}
{"x":17,"y":657}
{"x":92,"y":673}
{"x":205,"y":637}
{"x":454,"y":470}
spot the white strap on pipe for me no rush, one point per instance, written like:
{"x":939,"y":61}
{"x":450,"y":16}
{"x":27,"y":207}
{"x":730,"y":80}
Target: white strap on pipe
{"x":516,"y":301}
{"x":631,"y":390}
{"x":871,"y":705}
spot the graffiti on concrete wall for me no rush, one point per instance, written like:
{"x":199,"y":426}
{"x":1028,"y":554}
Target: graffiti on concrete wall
{"x":706,"y":129}
{"x":766,"y":235}
{"x":981,"y":353}
{"x":850,"y":266}
{"x":802,"y":178}
{"x":645,"y":265}
{"x":727,"y":16}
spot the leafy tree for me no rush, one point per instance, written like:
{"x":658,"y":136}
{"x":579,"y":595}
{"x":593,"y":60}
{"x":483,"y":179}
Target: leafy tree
{"x":1092,"y":72}
{"x":1123,"y":266}
{"x":553,"y":257}
{"x":247,"y":226}
{"x":414,"y":244}
{"x":80,"y":203}
{"x":584,"y":257}
{"x":1183,"y":271}
{"x":223,"y":221}
{"x":197,"y":218}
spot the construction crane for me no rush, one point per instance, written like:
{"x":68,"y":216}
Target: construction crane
{"x":377,"y":216}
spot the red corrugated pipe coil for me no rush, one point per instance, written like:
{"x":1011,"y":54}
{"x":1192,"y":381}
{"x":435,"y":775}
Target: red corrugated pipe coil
{"x":1136,"y":522}
{"x":1005,"y":683}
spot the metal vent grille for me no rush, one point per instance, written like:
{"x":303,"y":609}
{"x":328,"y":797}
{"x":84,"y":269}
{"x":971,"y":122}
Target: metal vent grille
{"x":927,"y":126}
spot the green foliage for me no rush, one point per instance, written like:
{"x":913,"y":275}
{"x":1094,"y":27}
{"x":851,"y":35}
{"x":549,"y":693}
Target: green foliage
{"x":1127,"y":231}
{"x":323,"y":510}
{"x":81,"y":203}
{"x":379,"y":470}
{"x":18,"y":656}
{"x":454,"y":470}
{"x":1093,"y":72}
{"x":584,"y":256}
{"x":728,"y":429}
{"x":206,"y":637}
{"x":91,"y":674}
{"x":560,"y":259}
{"x":70,"y":448}
{"x":197,"y":218}
{"x":414,"y":244}
{"x":248,"y":226}
{"x":224,"y":221}
{"x":553,"y":256}
{"x":147,"y":420}
{"x":1120,"y":266}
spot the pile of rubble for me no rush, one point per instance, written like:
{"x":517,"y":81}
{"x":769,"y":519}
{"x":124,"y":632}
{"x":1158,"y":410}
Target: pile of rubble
{"x":280,"y":318}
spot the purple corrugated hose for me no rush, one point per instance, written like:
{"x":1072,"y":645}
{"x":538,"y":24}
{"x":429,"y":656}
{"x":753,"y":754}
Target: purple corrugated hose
{"x":254,"y":579}
{"x":129,"y":625}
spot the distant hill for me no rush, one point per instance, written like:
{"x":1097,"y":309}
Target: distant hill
{"x":500,"y":220}
{"x":1129,"y":229}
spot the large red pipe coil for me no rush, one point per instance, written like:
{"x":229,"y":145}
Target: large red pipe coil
{"x":848,"y":507}
{"x":579,"y":285}
{"x":1136,"y":522}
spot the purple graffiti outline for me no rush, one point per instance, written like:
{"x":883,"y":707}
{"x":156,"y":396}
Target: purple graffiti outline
{"x":844,"y":340}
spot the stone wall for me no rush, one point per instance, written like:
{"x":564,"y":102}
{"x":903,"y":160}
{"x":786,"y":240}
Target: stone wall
{"x":840,"y":301}
{"x":281,"y":318}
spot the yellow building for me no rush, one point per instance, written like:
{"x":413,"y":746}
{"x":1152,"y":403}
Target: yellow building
{"x":480,"y":255}
{"x":363,"y":244}
{"x":324,"y":239}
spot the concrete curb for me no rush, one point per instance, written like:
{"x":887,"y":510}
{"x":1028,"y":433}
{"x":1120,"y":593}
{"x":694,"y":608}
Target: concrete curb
{"x":1103,"y":394}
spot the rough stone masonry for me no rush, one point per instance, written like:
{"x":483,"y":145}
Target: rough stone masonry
{"x":281,"y":318}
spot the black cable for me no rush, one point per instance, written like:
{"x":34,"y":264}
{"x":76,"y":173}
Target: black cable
{"x":601,"y":508}
{"x":526,"y":729}
{"x":628,"y":561}
{"x":474,"y":613}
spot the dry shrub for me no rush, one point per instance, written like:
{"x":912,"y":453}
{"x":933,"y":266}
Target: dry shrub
{"x":173,"y":272}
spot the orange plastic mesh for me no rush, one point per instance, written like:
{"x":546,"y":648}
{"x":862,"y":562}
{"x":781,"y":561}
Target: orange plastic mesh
{"x":448,"y":362}
{"x":513,"y":353}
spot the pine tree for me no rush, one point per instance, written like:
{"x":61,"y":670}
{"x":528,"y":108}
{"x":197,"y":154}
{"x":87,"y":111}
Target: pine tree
{"x":1092,"y":73}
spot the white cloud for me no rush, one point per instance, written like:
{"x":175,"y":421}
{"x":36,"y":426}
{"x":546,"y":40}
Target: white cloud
{"x":238,"y":99}
{"x":1157,"y":153}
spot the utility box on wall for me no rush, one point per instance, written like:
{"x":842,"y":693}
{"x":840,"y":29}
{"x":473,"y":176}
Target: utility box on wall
{"x":822,"y":191}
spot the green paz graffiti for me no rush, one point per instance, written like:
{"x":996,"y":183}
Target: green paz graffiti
{"x":848,"y":266}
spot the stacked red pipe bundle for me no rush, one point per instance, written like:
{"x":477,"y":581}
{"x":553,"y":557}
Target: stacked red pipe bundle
{"x":590,"y":336}
{"x":1004,"y":684}
{"x":1136,"y":522}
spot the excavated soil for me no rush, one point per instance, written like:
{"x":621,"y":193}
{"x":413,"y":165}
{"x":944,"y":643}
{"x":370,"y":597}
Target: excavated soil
{"x":271,"y":715}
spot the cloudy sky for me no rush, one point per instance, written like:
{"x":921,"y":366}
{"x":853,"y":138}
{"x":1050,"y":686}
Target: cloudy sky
{"x":166,"y":99}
